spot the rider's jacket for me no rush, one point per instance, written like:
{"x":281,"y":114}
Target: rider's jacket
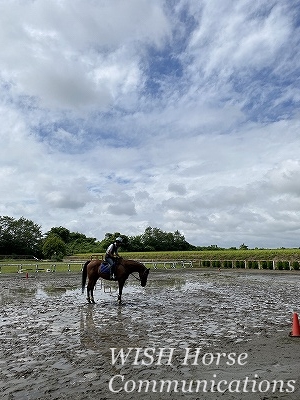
{"x":112,"y":250}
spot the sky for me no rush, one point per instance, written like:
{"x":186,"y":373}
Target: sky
{"x":182,"y":115}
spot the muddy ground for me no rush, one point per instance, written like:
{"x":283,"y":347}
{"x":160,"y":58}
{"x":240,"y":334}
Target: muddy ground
{"x":56,"y":346}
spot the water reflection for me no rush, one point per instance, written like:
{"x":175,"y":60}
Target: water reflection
{"x":36,"y":290}
{"x":111,"y":326}
{"x":49,"y":291}
{"x":10,"y":295}
{"x":159,"y":280}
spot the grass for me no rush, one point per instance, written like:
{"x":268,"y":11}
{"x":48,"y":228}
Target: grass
{"x":255,"y":254}
{"x":162,"y":259}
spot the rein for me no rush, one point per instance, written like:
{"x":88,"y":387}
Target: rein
{"x":136,"y":277}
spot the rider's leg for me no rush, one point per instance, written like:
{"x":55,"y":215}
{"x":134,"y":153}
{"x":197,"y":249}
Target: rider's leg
{"x":112,"y":267}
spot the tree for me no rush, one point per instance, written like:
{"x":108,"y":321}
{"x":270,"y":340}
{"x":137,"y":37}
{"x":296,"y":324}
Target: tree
{"x":19,"y":236}
{"x":179,"y":242}
{"x":24,"y":237}
{"x":60,"y":231}
{"x":134,"y":243}
{"x":154,"y":239}
{"x":54,"y":247}
{"x":75,"y":242}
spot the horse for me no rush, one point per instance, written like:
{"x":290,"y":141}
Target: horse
{"x":124,"y":268}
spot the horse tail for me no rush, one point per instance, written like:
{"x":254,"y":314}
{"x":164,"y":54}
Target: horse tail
{"x":84,"y":275}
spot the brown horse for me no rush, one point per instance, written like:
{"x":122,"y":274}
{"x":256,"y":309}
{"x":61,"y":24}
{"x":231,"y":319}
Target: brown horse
{"x":124,"y":268}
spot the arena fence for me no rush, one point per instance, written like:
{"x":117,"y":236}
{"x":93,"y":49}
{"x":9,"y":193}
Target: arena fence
{"x":156,"y":265}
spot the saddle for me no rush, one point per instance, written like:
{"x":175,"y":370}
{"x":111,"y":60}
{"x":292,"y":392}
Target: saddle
{"x":104,"y":268}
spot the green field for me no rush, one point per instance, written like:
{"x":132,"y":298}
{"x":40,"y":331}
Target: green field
{"x":256,"y":254}
{"x":282,"y":259}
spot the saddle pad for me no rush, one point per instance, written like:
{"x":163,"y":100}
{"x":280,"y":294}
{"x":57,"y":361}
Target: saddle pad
{"x":104,"y":268}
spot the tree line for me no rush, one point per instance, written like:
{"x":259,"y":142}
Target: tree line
{"x":24,"y":237}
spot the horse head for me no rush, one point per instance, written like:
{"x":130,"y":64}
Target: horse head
{"x":143,"y":273}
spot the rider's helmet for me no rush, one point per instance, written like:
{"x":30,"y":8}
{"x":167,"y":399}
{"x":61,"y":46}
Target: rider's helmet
{"x":119,"y":240}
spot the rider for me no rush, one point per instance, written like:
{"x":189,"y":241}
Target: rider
{"x":111,"y":254}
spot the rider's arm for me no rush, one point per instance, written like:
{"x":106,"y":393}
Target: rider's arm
{"x":109,"y":250}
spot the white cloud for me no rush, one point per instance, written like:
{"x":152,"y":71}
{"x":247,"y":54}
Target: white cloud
{"x":242,"y":34}
{"x":285,"y":178}
{"x":77,"y":55}
{"x":115,"y":117}
{"x":177,"y":188}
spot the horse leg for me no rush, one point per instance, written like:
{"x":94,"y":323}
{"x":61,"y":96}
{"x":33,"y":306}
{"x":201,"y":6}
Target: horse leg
{"x":121,"y":284}
{"x":92,"y":293}
{"x":88,"y":295}
{"x":89,"y":291}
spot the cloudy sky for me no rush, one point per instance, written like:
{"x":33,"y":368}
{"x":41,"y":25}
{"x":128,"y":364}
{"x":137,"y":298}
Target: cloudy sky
{"x":117,"y":115}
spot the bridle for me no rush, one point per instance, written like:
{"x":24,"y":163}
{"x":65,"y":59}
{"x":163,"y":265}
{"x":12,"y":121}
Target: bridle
{"x":144,"y":273}
{"x":136,"y":277}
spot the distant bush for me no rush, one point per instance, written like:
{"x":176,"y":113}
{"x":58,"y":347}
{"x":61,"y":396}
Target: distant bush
{"x":283,"y":265}
{"x":239,"y":264}
{"x":216,"y":264}
{"x":295,"y":265}
{"x":253,"y":264}
{"x":206,"y":263}
{"x":286,"y":265}
{"x":227,"y":264}
{"x":267,"y":264}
